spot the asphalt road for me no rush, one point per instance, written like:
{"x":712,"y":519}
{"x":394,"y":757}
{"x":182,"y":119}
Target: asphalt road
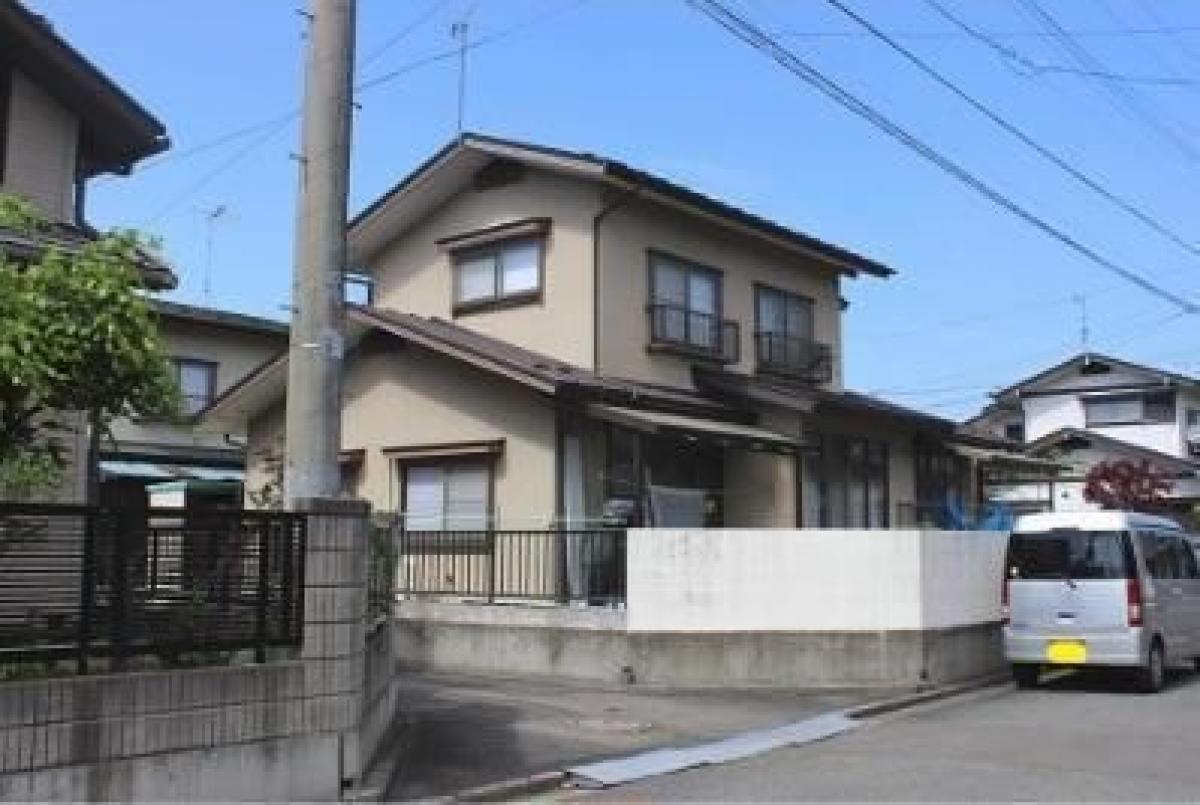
{"x":1081,"y":737}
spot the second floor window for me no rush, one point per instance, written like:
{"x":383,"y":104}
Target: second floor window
{"x":782,"y":318}
{"x":686,"y":303}
{"x":1130,"y":409}
{"x":197,"y":383}
{"x":507,"y":271}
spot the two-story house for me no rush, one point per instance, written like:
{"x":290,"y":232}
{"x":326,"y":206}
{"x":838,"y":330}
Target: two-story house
{"x":1094,"y":408}
{"x":171,"y":463}
{"x":62,"y":123}
{"x":556,"y":338}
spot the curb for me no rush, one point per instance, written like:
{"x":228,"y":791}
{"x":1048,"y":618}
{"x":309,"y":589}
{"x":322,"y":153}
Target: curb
{"x":873,"y":709}
{"x":548,"y":781}
{"x":493,"y":792}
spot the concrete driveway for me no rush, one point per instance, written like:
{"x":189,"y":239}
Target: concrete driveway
{"x":1082,"y":737}
{"x":465,"y":732}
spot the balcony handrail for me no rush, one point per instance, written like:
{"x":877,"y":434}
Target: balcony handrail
{"x":794,"y":354}
{"x":721,"y":341}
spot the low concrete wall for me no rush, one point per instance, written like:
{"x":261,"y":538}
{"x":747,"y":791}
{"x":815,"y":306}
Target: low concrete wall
{"x":298,"y":729}
{"x":483,"y":639}
{"x":798,"y":608}
{"x":731,"y":580}
{"x":111,"y":737}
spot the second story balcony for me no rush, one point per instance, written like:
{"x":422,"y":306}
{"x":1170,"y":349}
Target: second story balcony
{"x":678,"y":329}
{"x":797,"y":358}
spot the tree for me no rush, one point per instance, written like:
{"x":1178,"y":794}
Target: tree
{"x":1122,"y":484}
{"x":75,"y":335}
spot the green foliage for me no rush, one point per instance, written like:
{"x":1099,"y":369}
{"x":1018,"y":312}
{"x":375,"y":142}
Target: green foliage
{"x":75,"y":335}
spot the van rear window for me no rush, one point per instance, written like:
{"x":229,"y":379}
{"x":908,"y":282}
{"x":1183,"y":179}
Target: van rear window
{"x":1070,"y":553}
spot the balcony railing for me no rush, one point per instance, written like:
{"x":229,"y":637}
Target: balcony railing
{"x":800,"y":358}
{"x":679,"y":329}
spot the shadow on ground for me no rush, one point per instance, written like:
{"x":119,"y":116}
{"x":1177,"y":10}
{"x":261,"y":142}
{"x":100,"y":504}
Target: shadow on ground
{"x":465,"y":732}
{"x":1111,"y":680}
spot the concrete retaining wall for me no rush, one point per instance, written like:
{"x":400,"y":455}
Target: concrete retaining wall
{"x":484,"y":639}
{"x":781,"y":607}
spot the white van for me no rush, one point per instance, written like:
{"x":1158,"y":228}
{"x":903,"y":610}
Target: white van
{"x":1100,"y":589}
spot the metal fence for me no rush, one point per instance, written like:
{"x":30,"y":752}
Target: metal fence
{"x":93,"y":584}
{"x":582,"y":566}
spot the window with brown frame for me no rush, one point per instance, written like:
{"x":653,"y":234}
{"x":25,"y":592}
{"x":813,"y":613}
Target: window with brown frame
{"x":197,"y":381}
{"x":497,"y":274}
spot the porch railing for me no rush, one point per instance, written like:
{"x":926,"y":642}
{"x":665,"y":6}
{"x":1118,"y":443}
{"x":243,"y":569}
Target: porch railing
{"x":581,"y":566}
{"x":704,"y":335}
{"x":87,"y":584}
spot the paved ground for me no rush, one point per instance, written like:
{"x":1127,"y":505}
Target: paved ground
{"x":467,"y":732}
{"x":1080,"y":738}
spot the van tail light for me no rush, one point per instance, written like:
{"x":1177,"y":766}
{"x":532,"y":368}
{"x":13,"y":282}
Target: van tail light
{"x":1005,"y":610}
{"x":1133,"y":601}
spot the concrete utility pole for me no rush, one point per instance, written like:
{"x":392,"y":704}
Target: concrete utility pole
{"x":315,"y":355}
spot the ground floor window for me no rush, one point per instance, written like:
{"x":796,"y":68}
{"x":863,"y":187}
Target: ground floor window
{"x":449,"y":496}
{"x":844,"y":482}
{"x":663,"y":481}
{"x":941,"y":479}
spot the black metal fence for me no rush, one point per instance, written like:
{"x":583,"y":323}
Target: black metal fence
{"x":86,"y":583}
{"x":584,"y":566}
{"x":802,"y":358}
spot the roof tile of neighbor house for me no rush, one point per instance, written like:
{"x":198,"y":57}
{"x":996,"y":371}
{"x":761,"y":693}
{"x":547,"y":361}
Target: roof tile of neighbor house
{"x":22,"y":246}
{"x":1062,"y":435}
{"x":615,"y":172}
{"x":220,"y":318}
{"x":117,"y":130}
{"x":1085,"y":358}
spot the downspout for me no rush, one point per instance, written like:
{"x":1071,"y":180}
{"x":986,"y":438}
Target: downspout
{"x":597,"y":219}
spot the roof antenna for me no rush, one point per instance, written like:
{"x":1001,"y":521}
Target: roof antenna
{"x":459,"y":31}
{"x":1081,"y":300}
{"x":211,"y":217}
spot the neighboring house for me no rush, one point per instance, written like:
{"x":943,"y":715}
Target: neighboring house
{"x":559,"y":339}
{"x":171,"y":463}
{"x":62,"y":123}
{"x":1094,"y":408}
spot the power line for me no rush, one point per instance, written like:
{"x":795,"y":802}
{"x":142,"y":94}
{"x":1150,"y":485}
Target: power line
{"x":1038,"y":68}
{"x":755,"y":37}
{"x":392,"y":40}
{"x":1057,"y":160}
{"x":274,"y":126}
{"x":1126,"y":99}
{"x":1163,"y":30}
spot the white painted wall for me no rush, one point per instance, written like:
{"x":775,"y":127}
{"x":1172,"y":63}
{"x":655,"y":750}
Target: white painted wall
{"x":734,"y":580}
{"x":1047,"y":414}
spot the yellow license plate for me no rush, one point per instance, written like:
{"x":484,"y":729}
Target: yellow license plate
{"x":1066,"y":652}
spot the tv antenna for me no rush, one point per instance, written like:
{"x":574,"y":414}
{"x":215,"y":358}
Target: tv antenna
{"x":1081,"y":300}
{"x":460,"y":31}
{"x":211,"y":218}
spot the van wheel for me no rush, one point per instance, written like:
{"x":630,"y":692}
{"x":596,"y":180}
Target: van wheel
{"x":1025,"y":675}
{"x":1153,"y":673}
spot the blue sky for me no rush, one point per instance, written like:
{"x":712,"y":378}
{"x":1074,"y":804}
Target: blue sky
{"x":981,"y":298}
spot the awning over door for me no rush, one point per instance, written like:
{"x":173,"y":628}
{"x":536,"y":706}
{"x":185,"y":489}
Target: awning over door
{"x":730,"y":434}
{"x":163,"y":471}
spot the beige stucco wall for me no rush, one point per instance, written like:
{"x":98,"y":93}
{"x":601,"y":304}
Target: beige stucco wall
{"x":409,"y":397}
{"x":236,"y":351}
{"x":414,"y":274}
{"x":631,"y":230}
{"x":43,"y":137}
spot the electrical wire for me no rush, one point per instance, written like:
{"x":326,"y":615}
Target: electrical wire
{"x":1037,"y":68}
{"x":1163,"y":30}
{"x":758,"y":39}
{"x":397,"y":37}
{"x":1054,"y":158}
{"x":1122,"y":96}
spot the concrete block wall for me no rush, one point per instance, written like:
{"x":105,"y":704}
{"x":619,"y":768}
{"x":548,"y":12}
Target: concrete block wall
{"x":295,"y":729}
